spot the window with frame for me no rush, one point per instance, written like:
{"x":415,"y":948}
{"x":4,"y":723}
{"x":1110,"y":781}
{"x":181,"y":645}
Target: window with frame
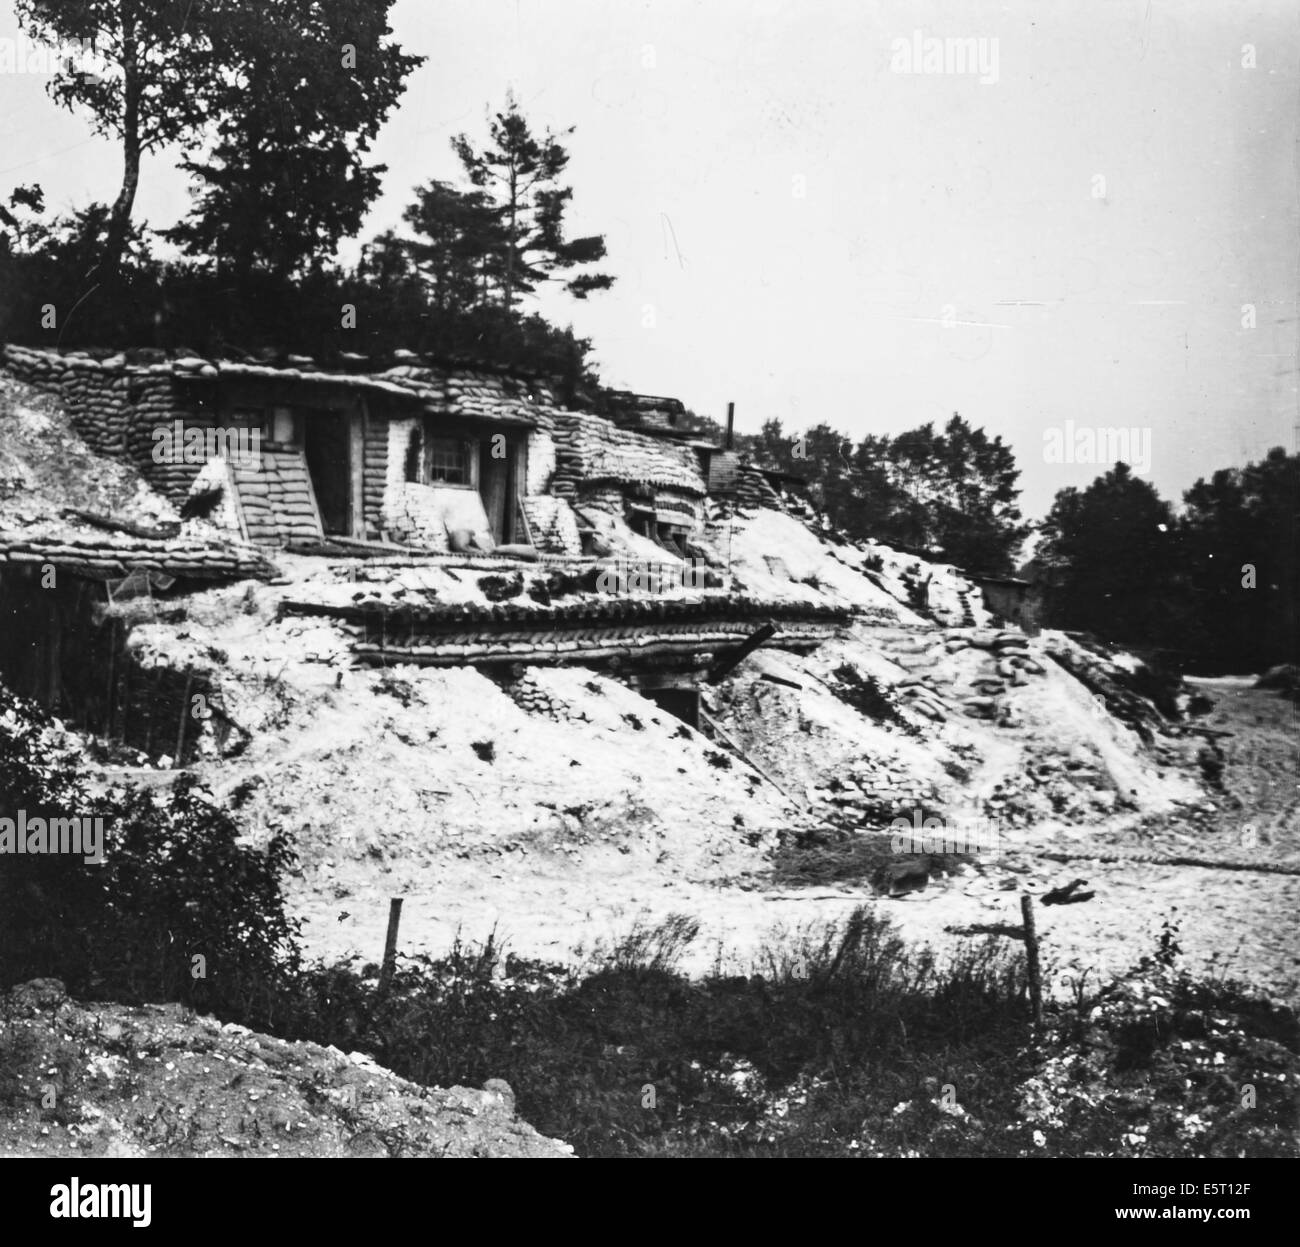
{"x":284,"y":424}
{"x":449,"y":461}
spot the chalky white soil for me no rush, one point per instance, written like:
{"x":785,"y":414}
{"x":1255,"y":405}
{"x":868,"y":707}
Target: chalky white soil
{"x":564,"y":811}
{"x":559,"y":890}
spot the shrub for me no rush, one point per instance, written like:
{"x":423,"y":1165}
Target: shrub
{"x":626,"y":1056}
{"x":841,"y":1040}
{"x":174,"y":886}
{"x":501,"y":588}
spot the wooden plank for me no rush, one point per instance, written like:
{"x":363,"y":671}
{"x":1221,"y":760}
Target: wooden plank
{"x":733,"y":660}
{"x":519,"y":486}
{"x":1031,"y":958}
{"x":318,"y":525}
{"x":777,"y":679}
{"x":523,"y":518}
{"x":161,"y":532}
{"x":712,"y":724}
{"x":233,"y":490}
{"x":371,"y":545}
{"x":357,"y":468}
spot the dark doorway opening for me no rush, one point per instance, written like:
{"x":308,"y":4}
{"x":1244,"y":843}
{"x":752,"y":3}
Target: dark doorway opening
{"x":327,"y":445}
{"x":65,"y":651}
{"x":681,"y":703}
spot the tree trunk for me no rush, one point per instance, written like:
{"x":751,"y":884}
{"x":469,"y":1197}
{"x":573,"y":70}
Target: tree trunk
{"x":120,"y":219}
{"x":510,"y":240}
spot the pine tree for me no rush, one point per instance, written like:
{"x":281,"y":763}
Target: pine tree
{"x":520,"y":174}
{"x":457,"y":246}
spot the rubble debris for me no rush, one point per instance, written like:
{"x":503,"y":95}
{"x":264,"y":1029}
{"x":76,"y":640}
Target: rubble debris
{"x":157,"y":1080}
{"x":152,"y":532}
{"x":1067,"y":895}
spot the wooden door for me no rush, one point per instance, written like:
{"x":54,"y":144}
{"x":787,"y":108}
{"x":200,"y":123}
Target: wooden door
{"x":494,"y":487}
{"x":327,"y":444}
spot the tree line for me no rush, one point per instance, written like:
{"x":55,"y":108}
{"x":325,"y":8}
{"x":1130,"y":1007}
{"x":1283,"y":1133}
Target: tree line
{"x":1215,"y":583}
{"x":949,"y":493}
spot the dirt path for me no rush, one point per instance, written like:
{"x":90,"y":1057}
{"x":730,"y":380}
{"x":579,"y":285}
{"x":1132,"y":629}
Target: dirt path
{"x":1232,"y":923}
{"x":1262,"y":757}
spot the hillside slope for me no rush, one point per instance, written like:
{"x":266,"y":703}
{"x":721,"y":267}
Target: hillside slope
{"x":561,"y":806}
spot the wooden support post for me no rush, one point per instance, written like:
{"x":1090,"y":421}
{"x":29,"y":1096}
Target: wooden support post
{"x":180,"y":731}
{"x":126,"y":686}
{"x":1029,"y":934}
{"x":1031,"y":958}
{"x":54,"y":673}
{"x":110,"y":702}
{"x":523,"y":519}
{"x":390,"y":943}
{"x":728,"y":663}
{"x":357,"y":420}
{"x":152,"y":680}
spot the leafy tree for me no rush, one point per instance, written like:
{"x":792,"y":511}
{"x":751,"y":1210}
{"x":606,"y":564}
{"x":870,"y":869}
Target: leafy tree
{"x":887,"y":507}
{"x":161,"y":66}
{"x":307,"y":87}
{"x":833,"y":485}
{"x":973,"y":482}
{"x":1219,"y":584}
{"x":772,"y":445}
{"x":521,"y":173}
{"x":55,"y":262}
{"x":1109,"y":555}
{"x":951,"y":494}
{"x":1241,"y":532}
{"x":174,"y":882}
{"x":20,"y":226}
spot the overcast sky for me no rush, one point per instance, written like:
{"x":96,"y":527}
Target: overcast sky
{"x":799,"y":224}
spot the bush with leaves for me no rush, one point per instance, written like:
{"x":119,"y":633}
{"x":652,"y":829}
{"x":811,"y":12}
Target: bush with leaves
{"x":177,"y":911}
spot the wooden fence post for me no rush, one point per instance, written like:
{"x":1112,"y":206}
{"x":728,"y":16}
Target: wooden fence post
{"x":180,"y":731}
{"x":1026,"y":932}
{"x":1031,"y":958}
{"x":390,"y":944}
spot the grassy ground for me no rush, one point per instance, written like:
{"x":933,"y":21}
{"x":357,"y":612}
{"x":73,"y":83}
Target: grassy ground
{"x":843,"y":1041}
